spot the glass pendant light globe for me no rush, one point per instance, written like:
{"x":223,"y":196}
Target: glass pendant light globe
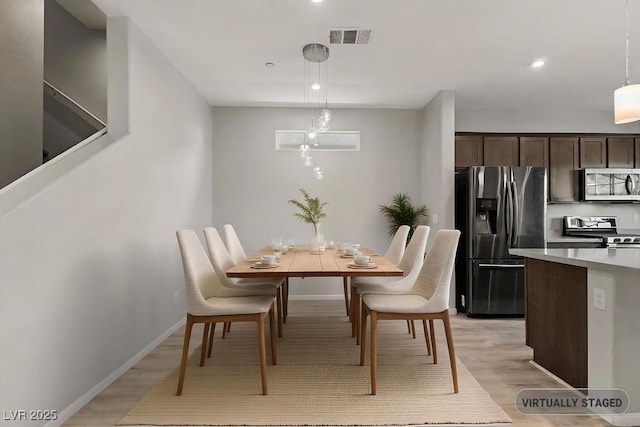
{"x":326,"y":114}
{"x":304,"y":150}
{"x":312,"y":134}
{"x":323,"y":125}
{"x":318,"y":172}
{"x":308,"y":161}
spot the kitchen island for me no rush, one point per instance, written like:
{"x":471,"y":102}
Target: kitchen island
{"x":582,"y":311}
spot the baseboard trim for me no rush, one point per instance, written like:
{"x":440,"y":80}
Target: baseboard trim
{"x":70,"y":410}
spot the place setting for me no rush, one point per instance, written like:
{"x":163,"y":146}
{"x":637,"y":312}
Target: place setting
{"x":362,"y":261}
{"x":350,"y":250}
{"x":266,"y":261}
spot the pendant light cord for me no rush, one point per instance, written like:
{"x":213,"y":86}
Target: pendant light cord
{"x":627,"y":82}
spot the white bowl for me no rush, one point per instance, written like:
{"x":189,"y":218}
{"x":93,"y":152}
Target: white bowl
{"x":361,"y":260}
{"x":268,"y":259}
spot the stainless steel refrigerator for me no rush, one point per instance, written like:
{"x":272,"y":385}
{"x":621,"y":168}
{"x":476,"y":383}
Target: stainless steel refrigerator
{"x":497,"y":208}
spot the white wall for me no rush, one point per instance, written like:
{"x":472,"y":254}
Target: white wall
{"x":89,"y":266}
{"x":252,"y":182}
{"x":541,"y":121}
{"x":438,"y":157}
{"x":21,"y":44}
{"x":438,"y":164}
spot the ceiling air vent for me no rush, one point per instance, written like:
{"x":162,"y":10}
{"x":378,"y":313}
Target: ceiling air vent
{"x":349,"y":36}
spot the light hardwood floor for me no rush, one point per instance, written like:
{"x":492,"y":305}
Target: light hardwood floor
{"x":492,"y":349}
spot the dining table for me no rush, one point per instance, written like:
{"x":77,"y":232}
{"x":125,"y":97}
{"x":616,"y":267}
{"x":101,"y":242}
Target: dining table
{"x":301,"y":262}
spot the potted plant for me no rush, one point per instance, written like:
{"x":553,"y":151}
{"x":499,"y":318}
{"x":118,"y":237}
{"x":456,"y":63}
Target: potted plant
{"x":311,"y":211}
{"x":402,"y":212}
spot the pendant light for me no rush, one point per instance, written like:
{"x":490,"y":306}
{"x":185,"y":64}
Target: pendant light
{"x":626,"y":99}
{"x":315,"y":98}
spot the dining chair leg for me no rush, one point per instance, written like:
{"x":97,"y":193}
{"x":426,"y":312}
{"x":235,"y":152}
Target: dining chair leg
{"x":280,"y":310}
{"x":185,"y":353}
{"x":426,"y":336}
{"x":205,"y":340}
{"x":433,"y":342}
{"x":263,"y":352}
{"x":345,"y":286}
{"x":373,"y":350}
{"x":452,"y":354}
{"x":355,"y":315}
{"x":224,"y":330}
{"x":211,"y":334}
{"x":413,"y":329}
{"x":363,"y":332}
{"x":408,"y":326}
{"x":272,"y":336}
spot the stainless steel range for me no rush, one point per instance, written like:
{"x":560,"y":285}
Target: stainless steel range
{"x":602,"y":227}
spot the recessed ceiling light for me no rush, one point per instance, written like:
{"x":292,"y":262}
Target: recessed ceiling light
{"x":316,"y":1}
{"x":537,"y":63}
{"x":315,"y":86}
{"x":269,"y":64}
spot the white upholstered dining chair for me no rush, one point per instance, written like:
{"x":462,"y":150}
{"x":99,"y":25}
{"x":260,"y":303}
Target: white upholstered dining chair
{"x":232,"y":243}
{"x":427,"y":299}
{"x":394,"y":254}
{"x":396,"y":249}
{"x":221,"y":260}
{"x":410,"y":264}
{"x":209,"y":302}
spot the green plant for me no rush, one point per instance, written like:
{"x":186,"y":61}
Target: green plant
{"x":310,"y":210}
{"x":402,"y":212}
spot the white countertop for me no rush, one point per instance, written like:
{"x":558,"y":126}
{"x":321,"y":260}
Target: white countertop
{"x":626,"y":260}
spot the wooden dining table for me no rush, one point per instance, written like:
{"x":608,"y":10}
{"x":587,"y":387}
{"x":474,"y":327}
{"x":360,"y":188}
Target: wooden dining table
{"x":300,"y":262}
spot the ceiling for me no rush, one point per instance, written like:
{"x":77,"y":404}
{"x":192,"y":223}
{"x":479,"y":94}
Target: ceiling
{"x":481,"y":49}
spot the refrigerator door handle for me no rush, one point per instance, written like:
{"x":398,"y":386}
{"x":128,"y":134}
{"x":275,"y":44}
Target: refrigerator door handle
{"x":501,"y":265}
{"x":516,"y":215}
{"x":508,"y":217}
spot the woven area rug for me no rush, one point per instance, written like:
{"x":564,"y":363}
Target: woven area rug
{"x":318,"y":381}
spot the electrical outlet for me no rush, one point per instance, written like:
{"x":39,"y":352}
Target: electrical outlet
{"x":599,"y":299}
{"x":434,"y":219}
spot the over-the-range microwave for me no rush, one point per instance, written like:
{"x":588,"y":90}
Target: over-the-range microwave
{"x":611,"y":184}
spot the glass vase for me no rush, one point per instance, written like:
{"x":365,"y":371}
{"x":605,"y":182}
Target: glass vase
{"x":317,"y":243}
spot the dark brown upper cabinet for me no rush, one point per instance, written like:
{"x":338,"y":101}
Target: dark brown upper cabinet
{"x":563,"y":165}
{"x":534,"y":151}
{"x":468,"y":151}
{"x":593,"y":152}
{"x":637,"y":152}
{"x":501,"y":151}
{"x":620,"y":152}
